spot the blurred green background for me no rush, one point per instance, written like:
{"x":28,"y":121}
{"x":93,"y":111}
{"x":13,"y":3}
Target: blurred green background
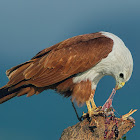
{"x":28,"y":26}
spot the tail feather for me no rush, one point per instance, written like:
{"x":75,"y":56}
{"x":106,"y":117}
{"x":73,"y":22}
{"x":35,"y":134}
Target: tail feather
{"x":23,"y":91}
{"x":3,"y":92}
{"x":7,"y":93}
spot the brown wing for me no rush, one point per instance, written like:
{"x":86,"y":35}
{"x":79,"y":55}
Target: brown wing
{"x":63,"y":60}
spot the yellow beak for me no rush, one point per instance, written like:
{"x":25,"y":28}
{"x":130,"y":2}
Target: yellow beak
{"x":119,"y":85}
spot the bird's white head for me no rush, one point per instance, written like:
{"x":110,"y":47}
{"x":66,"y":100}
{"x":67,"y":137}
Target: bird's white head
{"x":123,"y":74}
{"x":120,"y":61}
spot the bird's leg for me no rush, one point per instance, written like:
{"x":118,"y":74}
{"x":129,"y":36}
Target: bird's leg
{"x":94,"y":107}
{"x":90,"y":111}
{"x":89,"y":114}
{"x":90,"y":104}
{"x":89,"y":108}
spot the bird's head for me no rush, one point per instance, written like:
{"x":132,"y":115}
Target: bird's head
{"x":124,"y":72}
{"x":120,"y":81}
{"x":119,"y":62}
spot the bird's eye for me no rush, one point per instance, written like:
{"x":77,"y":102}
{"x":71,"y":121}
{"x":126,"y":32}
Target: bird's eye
{"x":121,"y":75}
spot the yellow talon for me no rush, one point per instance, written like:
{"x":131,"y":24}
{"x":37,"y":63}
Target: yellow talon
{"x":124,"y":117}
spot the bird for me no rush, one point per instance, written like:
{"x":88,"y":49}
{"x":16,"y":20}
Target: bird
{"x":72,"y":68}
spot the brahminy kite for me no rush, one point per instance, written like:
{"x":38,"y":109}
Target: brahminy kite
{"x":73,"y":68}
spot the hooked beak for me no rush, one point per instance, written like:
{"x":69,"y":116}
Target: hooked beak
{"x":119,"y":85}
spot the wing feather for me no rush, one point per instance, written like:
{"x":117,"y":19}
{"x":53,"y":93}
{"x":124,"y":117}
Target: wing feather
{"x":65,"y":59}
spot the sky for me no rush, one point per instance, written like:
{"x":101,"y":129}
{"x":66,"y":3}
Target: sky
{"x":29,"y":26}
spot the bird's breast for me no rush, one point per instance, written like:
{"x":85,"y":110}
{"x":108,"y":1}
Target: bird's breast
{"x":92,"y":75}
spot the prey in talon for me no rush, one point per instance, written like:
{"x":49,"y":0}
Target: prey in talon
{"x":108,"y":108}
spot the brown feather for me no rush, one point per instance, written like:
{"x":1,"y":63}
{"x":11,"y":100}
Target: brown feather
{"x":55,"y":66}
{"x":72,"y":63}
{"x":64,"y":60}
{"x":45,"y":51}
{"x":81,"y":92}
{"x":4,"y":99}
{"x":23,"y":91}
{"x":17,"y":75}
{"x":65,"y":86}
{"x":31,"y":92}
{"x":8,"y":72}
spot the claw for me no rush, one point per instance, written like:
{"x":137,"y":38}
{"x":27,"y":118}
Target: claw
{"x":92,"y":112}
{"x":89,"y":118}
{"x":84,"y":115}
{"x":124,"y":117}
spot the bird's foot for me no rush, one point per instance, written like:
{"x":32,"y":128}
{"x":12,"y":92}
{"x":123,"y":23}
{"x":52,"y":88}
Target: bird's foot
{"x":92,"y":112}
{"x":126,"y":116}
